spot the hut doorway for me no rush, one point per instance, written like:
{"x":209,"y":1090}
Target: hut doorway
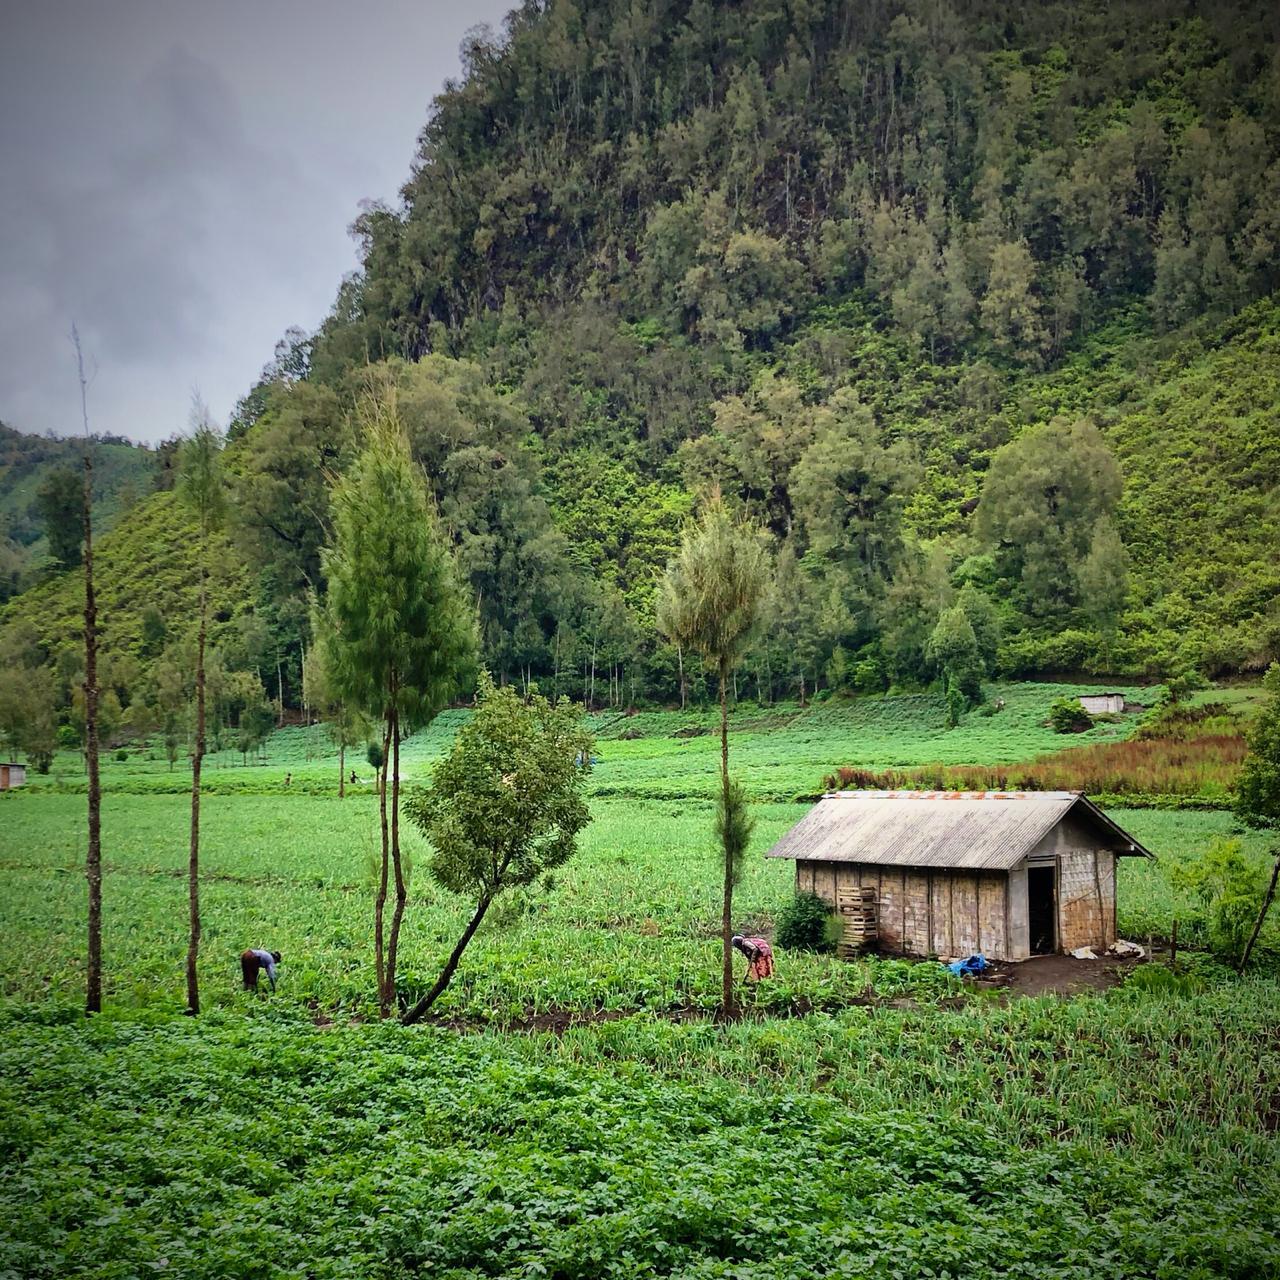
{"x":1040,"y":910}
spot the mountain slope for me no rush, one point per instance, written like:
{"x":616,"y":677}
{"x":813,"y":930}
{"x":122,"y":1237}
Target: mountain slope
{"x":146,"y":562}
{"x":123,"y":473}
{"x":843,"y":262}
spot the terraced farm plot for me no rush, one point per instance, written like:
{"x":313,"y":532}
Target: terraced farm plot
{"x":898,"y":1124}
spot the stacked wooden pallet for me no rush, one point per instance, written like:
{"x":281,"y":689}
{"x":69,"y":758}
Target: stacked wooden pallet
{"x":859,"y":921}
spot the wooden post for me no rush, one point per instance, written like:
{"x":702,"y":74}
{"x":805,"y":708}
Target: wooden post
{"x":1058,"y":944}
{"x":929,"y":912}
{"x":977,"y":898}
{"x":1102,"y":911}
{"x":1262,"y":915}
{"x":93,"y":850}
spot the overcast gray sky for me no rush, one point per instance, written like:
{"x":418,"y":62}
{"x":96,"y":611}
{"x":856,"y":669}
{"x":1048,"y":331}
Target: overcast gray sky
{"x":178,"y":176}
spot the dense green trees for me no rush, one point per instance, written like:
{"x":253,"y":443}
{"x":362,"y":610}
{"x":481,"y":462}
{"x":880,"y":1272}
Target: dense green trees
{"x":281,"y":488}
{"x":1045,"y":503}
{"x":988,"y":175}
{"x":60,"y":499}
{"x":914,"y":290}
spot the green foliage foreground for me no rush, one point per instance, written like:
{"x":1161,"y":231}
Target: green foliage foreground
{"x":1047,"y":1139}
{"x":926,"y":1133}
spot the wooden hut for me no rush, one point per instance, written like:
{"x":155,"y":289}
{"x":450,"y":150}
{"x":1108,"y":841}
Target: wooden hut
{"x":1009,"y":874}
{"x":12,"y":775}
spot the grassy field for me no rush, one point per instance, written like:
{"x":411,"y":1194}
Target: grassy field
{"x":779,"y":753}
{"x":632,"y":923}
{"x":899,"y":1127}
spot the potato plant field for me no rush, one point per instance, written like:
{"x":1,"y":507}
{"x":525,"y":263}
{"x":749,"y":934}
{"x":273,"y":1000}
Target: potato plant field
{"x":572,"y":1109}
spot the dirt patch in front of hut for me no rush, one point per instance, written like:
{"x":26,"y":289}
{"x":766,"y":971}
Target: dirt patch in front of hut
{"x":1058,"y":975}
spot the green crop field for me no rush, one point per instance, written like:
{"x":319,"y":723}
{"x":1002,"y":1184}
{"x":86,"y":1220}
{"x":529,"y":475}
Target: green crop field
{"x":867,"y":1119}
{"x":779,"y":753}
{"x":632,"y":923}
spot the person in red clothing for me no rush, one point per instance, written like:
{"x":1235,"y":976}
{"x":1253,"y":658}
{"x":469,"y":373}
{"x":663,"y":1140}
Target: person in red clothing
{"x":759,"y":956}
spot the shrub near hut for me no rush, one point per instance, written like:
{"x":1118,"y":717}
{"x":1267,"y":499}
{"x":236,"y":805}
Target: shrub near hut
{"x":807,"y":923}
{"x":1066,"y":715}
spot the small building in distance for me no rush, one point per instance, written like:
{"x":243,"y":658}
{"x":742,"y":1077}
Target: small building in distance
{"x":1102,"y":704}
{"x":12,"y":775}
{"x":1007,"y":874}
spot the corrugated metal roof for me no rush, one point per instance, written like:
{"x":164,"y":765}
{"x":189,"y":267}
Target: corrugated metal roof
{"x":977,"y":830}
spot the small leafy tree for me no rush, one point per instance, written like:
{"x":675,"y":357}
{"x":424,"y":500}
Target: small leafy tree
{"x":346,"y":725}
{"x":1227,"y":885}
{"x":1258,"y":791}
{"x":710,"y":602}
{"x":981,"y":613}
{"x":60,"y":503}
{"x":257,"y":719}
{"x":953,"y":653}
{"x":1103,"y":579}
{"x":504,"y":806}
{"x":28,"y":714}
{"x":1181,"y":680}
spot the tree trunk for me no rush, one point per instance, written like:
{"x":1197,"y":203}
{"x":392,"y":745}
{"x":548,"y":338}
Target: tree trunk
{"x":93,"y":852}
{"x":342,"y":770}
{"x":414,"y":1014}
{"x":726,"y":917}
{"x":197,"y":759}
{"x":401,"y":891}
{"x":279,"y":692}
{"x":381,"y":901}
{"x":1262,"y":915}
{"x":684,"y":689}
{"x":306,"y":710}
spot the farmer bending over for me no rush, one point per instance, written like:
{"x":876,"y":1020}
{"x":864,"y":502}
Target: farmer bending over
{"x":251,"y":962}
{"x":759,"y":956}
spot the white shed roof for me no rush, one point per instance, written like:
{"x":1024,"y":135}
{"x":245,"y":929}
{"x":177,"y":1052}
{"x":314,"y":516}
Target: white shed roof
{"x":975,"y":830}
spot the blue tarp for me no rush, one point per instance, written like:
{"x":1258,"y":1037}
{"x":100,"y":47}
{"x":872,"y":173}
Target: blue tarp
{"x":969,"y":968}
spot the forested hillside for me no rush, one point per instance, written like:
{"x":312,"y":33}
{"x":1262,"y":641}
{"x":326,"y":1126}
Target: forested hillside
{"x":41,"y":489}
{"x":970,"y":305}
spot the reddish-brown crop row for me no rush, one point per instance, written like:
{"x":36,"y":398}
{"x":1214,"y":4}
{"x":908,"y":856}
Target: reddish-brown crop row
{"x":1202,"y":766}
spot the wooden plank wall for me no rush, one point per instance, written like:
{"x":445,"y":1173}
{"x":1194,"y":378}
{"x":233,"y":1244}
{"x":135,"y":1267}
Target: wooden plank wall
{"x":923,"y":912}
